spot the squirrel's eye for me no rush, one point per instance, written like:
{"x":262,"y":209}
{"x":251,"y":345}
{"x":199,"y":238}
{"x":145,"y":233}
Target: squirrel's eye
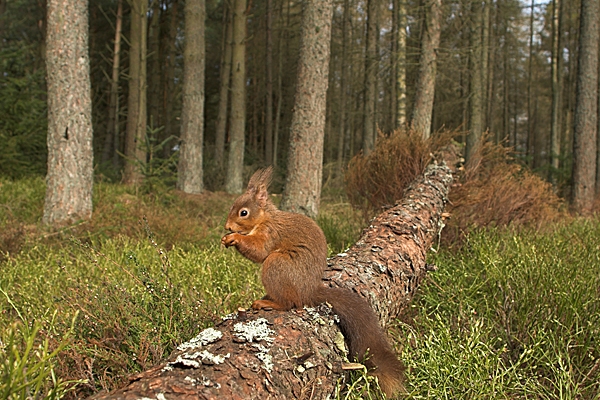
{"x":243,"y":213}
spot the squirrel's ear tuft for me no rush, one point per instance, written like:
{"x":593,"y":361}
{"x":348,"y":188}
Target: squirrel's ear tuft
{"x":261,"y":178}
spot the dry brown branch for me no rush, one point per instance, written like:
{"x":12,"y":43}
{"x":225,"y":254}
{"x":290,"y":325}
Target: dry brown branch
{"x":284,"y":355}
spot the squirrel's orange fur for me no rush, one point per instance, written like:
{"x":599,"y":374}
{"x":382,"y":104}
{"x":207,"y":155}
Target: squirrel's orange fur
{"x":293,"y":252}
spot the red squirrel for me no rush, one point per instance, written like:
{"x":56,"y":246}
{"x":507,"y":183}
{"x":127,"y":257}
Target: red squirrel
{"x":293,"y":252}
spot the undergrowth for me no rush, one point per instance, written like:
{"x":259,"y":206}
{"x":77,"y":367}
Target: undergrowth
{"x":510,"y":316}
{"x":490,"y":190}
{"x":144,"y":274}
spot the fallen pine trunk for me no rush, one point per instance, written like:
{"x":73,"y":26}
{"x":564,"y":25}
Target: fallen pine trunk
{"x":283,"y":355}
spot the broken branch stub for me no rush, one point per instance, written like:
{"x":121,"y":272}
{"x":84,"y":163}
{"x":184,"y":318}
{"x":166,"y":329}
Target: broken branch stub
{"x":298,"y":354}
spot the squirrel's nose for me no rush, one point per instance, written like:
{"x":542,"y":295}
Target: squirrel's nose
{"x":228,"y":226}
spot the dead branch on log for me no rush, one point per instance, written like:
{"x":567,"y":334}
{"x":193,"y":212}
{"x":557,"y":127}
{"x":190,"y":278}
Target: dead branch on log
{"x":284,"y":355}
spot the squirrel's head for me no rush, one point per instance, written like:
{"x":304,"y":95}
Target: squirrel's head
{"x":249,"y":209}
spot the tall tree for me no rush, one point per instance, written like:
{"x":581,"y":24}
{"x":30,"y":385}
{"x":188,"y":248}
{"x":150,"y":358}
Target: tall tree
{"x":557,"y":55}
{"x":305,"y":161}
{"x":221,"y":123}
{"x":475,"y":86}
{"x":154,"y":65}
{"x":235,"y":163}
{"x":189,"y":174}
{"x":111,"y":144}
{"x":169,"y":92}
{"x":586,"y":110}
{"x":425,"y":91}
{"x":371,"y":67}
{"x":136,"y":103}
{"x":283,"y":35}
{"x":343,"y":88}
{"x":401,"y":64}
{"x":530,"y":113}
{"x":269,"y":84}
{"x":70,"y":166}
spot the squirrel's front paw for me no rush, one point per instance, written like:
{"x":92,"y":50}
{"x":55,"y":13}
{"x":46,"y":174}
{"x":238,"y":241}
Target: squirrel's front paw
{"x":231,"y":239}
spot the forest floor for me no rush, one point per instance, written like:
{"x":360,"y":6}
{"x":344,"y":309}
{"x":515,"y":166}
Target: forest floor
{"x":508,"y":314}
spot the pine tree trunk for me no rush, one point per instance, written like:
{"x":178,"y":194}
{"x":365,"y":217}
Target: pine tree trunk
{"x":295,"y":356}
{"x":425,"y":91}
{"x":70,"y":167}
{"x":530,"y":129}
{"x":371,"y":67}
{"x":189,"y":174}
{"x":556,"y":92}
{"x":169,"y":90}
{"x":475,"y":86}
{"x":343,"y":89}
{"x":235,"y":163}
{"x":283,"y":35}
{"x":485,"y":60}
{"x":505,"y":93}
{"x":401,"y":65}
{"x":305,"y":161}
{"x":269,"y":86}
{"x":112,"y":142}
{"x":136,"y":105}
{"x":155,"y":72}
{"x":221,"y":124}
{"x":586,"y":110}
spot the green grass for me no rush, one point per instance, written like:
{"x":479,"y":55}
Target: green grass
{"x":507,"y":316}
{"x":510,"y":316}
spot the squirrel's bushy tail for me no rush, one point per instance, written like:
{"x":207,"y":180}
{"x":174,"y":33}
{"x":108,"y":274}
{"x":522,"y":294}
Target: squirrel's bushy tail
{"x":361,"y":328}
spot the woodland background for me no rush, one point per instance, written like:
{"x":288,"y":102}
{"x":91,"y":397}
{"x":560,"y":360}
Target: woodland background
{"x":507,"y":67}
{"x":513,"y":310}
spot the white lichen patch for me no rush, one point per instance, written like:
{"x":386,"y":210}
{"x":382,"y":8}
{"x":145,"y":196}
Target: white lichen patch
{"x":207,"y":336}
{"x":191,"y":380}
{"x":314,"y":314}
{"x":263,"y":356}
{"x":196,"y":359}
{"x":254,"y":331}
{"x":229,"y":316}
{"x":267,"y":361}
{"x":340,"y":343}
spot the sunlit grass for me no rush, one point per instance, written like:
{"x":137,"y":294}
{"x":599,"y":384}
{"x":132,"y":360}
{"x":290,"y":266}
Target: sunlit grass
{"x":510,"y":315}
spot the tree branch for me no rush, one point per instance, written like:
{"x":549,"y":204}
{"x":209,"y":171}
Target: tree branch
{"x":279,"y":355}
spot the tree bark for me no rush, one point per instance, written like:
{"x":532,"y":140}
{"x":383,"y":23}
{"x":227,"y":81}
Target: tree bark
{"x":269,"y":86}
{"x":305,"y":162}
{"x":112,"y":142}
{"x":169,"y":89}
{"x":485,"y":62}
{"x":343,"y":88}
{"x":425,"y":92}
{"x":70,"y":167}
{"x":189,"y":173}
{"x":371,"y":67}
{"x":155,"y":70}
{"x":401,"y":65}
{"x":285,"y":355}
{"x":557,"y":54}
{"x":221,"y":124}
{"x":237,"y":143}
{"x":530,"y":126}
{"x":136,"y":104}
{"x":586,"y":111}
{"x":475,"y":86}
